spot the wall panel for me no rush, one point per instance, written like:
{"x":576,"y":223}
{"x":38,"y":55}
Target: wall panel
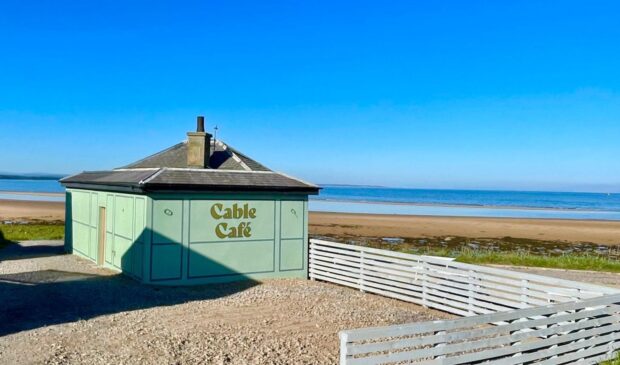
{"x":231,"y":258}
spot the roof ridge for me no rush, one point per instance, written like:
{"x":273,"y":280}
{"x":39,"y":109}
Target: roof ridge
{"x":239,"y":153}
{"x":152,"y":176}
{"x":234,"y":155}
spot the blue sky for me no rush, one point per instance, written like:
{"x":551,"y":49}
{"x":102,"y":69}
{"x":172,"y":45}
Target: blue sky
{"x":513,"y":95}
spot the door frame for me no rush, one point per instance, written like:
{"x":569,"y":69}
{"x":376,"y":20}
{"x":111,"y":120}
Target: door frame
{"x":101,"y":237}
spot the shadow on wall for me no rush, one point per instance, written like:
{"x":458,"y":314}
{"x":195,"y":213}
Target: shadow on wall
{"x":41,"y":298}
{"x":171,"y":260}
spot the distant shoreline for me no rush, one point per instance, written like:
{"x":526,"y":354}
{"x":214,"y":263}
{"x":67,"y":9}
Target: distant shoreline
{"x":22,"y":195}
{"x":35,"y":193}
{"x":374,"y":202}
{"x":33,"y":177}
{"x":464,"y":205}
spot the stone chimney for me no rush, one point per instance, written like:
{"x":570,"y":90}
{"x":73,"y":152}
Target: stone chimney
{"x":198,"y":146}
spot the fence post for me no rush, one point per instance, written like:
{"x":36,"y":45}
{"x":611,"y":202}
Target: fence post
{"x":310,"y":246}
{"x":362,"y":271}
{"x":582,"y":330}
{"x":470,"y":292}
{"x":440,"y":344}
{"x":524,"y":293}
{"x":424,"y":282}
{"x":343,"y":347}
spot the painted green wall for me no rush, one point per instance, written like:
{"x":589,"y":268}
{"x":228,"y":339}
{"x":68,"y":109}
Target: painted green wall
{"x":181,"y":239}
{"x":202,"y":238}
{"x":125,"y":228}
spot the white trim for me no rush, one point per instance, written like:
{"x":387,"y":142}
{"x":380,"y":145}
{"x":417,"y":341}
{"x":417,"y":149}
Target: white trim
{"x":70,"y":176}
{"x":297,"y":179}
{"x":144,"y":181}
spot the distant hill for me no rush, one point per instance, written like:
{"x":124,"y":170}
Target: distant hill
{"x":31,"y":176}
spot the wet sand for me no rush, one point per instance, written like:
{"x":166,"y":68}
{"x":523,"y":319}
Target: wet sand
{"x":31,"y":210}
{"x":370,"y":225}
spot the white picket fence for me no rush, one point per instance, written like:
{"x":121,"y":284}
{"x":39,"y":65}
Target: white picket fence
{"x":584,"y":332}
{"x":462,"y":289}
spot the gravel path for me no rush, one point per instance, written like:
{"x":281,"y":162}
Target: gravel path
{"x":60,"y":309}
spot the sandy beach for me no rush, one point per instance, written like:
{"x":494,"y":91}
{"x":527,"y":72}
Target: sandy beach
{"x":31,"y":210}
{"x":369,"y":225}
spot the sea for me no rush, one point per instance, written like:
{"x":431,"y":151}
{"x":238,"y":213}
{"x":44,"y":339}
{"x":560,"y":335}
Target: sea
{"x":467,"y":203}
{"x":8,"y":188}
{"x":432,"y":202}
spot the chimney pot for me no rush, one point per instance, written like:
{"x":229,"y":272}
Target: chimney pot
{"x":200,"y":124}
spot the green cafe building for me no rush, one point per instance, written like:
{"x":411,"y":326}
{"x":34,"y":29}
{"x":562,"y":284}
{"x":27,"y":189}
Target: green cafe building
{"x":198,"y":212}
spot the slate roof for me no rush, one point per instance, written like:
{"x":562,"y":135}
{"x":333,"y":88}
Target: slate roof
{"x":183,"y":179}
{"x":222,"y":157}
{"x":229,"y":170}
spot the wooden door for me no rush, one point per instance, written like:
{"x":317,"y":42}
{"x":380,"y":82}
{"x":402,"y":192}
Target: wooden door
{"x":101,"y":242}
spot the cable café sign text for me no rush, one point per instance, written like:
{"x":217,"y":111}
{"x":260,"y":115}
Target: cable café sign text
{"x":219,"y":212}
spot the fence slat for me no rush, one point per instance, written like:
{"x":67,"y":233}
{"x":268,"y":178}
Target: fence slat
{"x":564,"y":318}
{"x":510,"y":317}
{"x":482,"y":269}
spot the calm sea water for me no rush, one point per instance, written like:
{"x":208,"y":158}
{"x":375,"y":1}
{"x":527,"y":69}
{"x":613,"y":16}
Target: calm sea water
{"x":38,"y":186}
{"x":31,"y":186}
{"x":481,"y":203}
{"x":478,"y":203}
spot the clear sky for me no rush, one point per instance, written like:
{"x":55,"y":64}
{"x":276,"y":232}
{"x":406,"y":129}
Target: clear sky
{"x":467,"y":94}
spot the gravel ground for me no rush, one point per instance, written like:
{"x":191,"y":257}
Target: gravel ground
{"x":60,"y":309}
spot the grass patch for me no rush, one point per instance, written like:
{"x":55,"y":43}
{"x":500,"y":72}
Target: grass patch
{"x":518,"y":258}
{"x":590,"y":262}
{"x":11,"y":233}
{"x":614,"y":361}
{"x":504,"y":251}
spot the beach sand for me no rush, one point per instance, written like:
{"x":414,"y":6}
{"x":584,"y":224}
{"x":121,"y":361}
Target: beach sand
{"x":374,"y":225}
{"x":31,"y":210}
{"x":370,"y":225}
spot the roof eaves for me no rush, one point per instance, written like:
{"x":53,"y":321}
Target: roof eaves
{"x":223,"y":187}
{"x":70,"y":176}
{"x":129,"y":188}
{"x":300,"y":180}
